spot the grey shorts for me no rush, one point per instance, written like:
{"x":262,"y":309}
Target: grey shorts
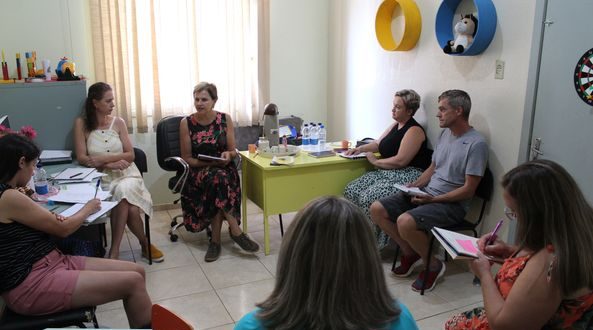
{"x":427,"y":215}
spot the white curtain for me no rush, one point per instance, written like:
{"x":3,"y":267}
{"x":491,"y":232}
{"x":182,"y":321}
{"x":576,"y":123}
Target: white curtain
{"x":153,"y":52}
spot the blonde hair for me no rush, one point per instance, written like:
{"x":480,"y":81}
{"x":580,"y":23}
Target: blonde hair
{"x":208,"y":87}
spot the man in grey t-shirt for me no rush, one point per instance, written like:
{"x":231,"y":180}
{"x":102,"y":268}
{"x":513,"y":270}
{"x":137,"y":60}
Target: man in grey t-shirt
{"x":458,"y":164}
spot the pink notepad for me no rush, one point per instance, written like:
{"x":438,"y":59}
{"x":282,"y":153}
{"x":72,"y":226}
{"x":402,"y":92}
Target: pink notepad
{"x":467,"y":245}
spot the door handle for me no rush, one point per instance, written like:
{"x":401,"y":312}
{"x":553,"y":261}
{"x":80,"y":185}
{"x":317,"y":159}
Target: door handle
{"x":535,"y":148}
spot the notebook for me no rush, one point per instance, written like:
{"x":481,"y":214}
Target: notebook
{"x":459,"y":246}
{"x":414,"y":191}
{"x":321,"y":154}
{"x":209,"y":158}
{"x":357,"y":156}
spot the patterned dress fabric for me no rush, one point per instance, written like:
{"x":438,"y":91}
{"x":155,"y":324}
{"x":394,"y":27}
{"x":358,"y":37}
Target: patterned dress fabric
{"x":210,"y":188}
{"x":380,"y":183}
{"x":569,"y":313}
{"x":375,"y":185}
{"x":123,"y":184}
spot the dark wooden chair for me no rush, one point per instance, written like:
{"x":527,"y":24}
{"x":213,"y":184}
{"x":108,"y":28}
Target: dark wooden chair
{"x":483,"y":193}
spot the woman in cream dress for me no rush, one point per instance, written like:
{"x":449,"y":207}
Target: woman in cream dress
{"x":102,"y":141}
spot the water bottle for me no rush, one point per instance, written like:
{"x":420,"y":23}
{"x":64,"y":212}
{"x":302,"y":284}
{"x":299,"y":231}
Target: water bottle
{"x":314,"y":135}
{"x":305,"y":135}
{"x":40,"y":179}
{"x":322,"y":137}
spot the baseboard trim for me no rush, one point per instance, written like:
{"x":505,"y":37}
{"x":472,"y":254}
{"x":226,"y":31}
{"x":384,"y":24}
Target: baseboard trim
{"x":165,"y":207}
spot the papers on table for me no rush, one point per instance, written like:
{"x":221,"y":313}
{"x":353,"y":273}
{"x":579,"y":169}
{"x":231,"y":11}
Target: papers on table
{"x":414,"y":191}
{"x":89,"y":178}
{"x":55,"y":156}
{"x":74,"y":173}
{"x":105,"y":207}
{"x":357,"y":156}
{"x":78,"y":193}
{"x":282,"y":160}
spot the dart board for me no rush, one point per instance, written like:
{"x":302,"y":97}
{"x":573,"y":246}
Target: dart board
{"x":583,"y":77}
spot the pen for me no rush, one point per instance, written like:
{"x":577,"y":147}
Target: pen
{"x":54,"y":208}
{"x":492,"y":237}
{"x":97,"y":188}
{"x":75,"y":175}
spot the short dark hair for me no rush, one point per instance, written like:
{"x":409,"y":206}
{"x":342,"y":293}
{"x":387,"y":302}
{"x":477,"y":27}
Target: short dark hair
{"x":551,"y":209}
{"x":96,"y":92}
{"x":329,"y":273}
{"x":12,"y":148}
{"x":208,"y":87}
{"x":458,"y":98}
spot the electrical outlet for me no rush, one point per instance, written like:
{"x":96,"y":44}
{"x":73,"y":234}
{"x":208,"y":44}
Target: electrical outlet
{"x":499,"y":73}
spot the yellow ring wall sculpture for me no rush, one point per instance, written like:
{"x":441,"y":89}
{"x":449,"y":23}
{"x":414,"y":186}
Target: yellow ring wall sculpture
{"x":412,"y":25}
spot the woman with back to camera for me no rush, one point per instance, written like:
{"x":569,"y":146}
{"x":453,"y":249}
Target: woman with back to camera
{"x":101,"y":141}
{"x":212,"y":192}
{"x":404,"y":157}
{"x":546,"y":281}
{"x":35,"y":277}
{"x":329,"y":276}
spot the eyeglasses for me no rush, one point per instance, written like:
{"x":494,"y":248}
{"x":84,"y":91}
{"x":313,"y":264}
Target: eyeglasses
{"x":510,"y":213}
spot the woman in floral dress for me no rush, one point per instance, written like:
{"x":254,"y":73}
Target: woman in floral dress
{"x":212,"y":192}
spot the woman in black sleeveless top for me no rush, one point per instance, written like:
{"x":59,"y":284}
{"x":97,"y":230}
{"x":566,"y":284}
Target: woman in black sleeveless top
{"x":35,"y":277}
{"x":404,"y":155}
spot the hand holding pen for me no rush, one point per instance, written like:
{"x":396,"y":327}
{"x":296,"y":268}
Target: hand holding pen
{"x":97,"y":187}
{"x":493,"y":236}
{"x":491,"y":245}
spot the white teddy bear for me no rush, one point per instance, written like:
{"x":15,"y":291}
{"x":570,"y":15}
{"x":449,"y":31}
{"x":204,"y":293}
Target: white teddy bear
{"x":465,"y":31}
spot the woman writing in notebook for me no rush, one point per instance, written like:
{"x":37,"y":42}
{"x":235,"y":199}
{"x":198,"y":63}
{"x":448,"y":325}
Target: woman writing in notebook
{"x":101,"y":141}
{"x":35,"y":277}
{"x":212,"y":192}
{"x":546,"y":280}
{"x":404,"y":155}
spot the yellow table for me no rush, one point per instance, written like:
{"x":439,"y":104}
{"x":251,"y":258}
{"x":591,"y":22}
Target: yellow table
{"x":282,"y":189}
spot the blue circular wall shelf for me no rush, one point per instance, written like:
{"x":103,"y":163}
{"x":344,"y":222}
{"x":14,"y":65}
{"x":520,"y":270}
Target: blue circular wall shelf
{"x":486,"y":14}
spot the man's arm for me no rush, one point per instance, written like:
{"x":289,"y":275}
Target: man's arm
{"x":424,"y":178}
{"x":462,"y":193}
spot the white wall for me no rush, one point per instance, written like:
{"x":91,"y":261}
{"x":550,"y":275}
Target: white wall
{"x":363,"y":78}
{"x":298,"y":57}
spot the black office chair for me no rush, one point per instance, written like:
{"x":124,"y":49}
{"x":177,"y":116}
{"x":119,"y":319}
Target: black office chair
{"x":168,"y":152}
{"x":484,"y":193}
{"x":75,"y":317}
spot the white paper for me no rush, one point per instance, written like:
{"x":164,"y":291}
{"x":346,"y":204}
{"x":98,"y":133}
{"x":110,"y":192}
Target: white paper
{"x":55,"y":154}
{"x":88,"y":179}
{"x":414,"y":191}
{"x":105,"y":207}
{"x":209,"y":158}
{"x":79,"y":193}
{"x":74,"y":173}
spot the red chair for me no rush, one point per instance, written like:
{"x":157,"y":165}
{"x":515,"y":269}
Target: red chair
{"x":164,"y":319}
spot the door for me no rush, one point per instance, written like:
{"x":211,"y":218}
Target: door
{"x":563,"y":122}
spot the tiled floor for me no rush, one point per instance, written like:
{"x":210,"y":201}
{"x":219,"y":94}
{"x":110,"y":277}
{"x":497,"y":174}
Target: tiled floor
{"x":215,"y":295}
